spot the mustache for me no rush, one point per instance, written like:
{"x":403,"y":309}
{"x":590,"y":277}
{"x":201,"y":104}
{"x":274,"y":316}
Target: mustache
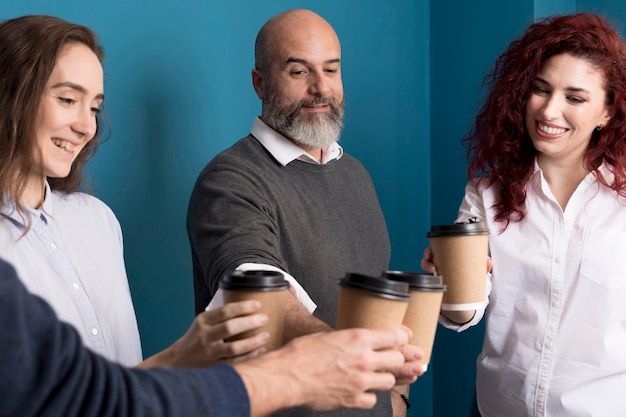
{"x":317,"y":101}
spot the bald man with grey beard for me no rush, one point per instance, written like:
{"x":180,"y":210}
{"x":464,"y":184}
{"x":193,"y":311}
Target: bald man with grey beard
{"x":288,"y":198}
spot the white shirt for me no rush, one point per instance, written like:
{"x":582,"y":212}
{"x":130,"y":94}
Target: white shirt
{"x":73,"y":258}
{"x":555,"y":342}
{"x":284,"y":151}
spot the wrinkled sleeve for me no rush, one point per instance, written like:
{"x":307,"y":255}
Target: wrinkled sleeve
{"x":46,"y":371}
{"x":230,"y":221}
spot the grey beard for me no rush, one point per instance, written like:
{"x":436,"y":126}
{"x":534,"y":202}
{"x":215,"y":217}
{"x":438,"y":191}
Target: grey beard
{"x":313,"y":130}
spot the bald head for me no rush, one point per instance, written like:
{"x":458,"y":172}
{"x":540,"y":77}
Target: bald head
{"x":293,"y":29}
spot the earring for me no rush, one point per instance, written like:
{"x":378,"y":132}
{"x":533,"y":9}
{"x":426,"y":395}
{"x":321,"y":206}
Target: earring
{"x":599,"y":127}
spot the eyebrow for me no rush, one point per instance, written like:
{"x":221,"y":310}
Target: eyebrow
{"x":572,"y":89}
{"x":304,"y":62}
{"x":76,"y":87}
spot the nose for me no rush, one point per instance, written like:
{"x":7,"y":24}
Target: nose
{"x":85,"y":123}
{"x":319,"y":85}
{"x":550,"y":108}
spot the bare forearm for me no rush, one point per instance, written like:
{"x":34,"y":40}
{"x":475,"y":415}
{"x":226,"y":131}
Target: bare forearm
{"x":299,"y":322}
{"x":398,"y":403}
{"x":261,"y":390}
{"x":459,"y":317}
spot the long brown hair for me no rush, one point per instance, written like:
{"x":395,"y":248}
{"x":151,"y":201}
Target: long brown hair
{"x":29,"y":49}
{"x":499,"y":147}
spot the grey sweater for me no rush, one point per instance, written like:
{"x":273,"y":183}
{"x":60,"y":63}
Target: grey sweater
{"x":315,"y":222}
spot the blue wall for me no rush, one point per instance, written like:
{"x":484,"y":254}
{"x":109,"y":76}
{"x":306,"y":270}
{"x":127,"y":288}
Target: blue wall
{"x":178,"y":91}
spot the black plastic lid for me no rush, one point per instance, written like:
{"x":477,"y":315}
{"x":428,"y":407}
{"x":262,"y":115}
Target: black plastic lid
{"x":473,"y":227}
{"x":253,"y":280}
{"x":417,"y":280}
{"x":380,"y":286}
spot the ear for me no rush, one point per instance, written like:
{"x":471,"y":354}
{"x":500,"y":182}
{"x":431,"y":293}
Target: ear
{"x":608,"y":114}
{"x":257,"y":82}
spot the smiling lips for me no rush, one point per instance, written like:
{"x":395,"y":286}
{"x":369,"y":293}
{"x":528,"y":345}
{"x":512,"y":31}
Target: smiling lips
{"x":551,"y":130}
{"x":65,"y":145}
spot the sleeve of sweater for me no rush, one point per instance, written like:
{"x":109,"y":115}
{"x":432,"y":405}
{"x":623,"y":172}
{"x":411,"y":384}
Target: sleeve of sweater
{"x":46,"y":371}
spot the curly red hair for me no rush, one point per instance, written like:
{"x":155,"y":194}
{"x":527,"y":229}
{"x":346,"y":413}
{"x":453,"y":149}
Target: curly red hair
{"x":499,"y":148}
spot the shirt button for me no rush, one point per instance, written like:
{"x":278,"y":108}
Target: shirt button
{"x":75,"y":286}
{"x":548,"y":345}
{"x":94,"y":331}
{"x":557,"y":259}
{"x":542,"y":386}
{"x":53,"y":246}
{"x":556,"y":303}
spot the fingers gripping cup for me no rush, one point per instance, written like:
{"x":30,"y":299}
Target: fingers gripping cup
{"x":269,"y":288}
{"x":459,"y":253}
{"x":422,"y":313}
{"x":371,"y":302}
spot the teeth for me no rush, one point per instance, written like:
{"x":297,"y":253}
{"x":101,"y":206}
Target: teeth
{"x":63,"y":145}
{"x":552,"y":130}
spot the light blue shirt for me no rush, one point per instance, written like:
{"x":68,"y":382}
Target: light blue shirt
{"x":72,"y":256}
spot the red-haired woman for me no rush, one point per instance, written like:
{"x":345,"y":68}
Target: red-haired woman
{"x":547,"y":168}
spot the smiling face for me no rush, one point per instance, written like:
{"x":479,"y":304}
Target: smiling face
{"x":66,"y":120}
{"x":301,"y":87}
{"x":567,"y":103}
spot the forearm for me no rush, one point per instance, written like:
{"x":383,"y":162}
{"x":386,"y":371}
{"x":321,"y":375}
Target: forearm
{"x":261,"y":379}
{"x":45,"y":369}
{"x":162,"y":359}
{"x":399,"y":400}
{"x":459,"y":317}
{"x":299,"y":322}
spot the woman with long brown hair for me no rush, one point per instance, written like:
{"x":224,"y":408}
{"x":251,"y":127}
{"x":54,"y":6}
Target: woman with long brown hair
{"x":66,"y":244}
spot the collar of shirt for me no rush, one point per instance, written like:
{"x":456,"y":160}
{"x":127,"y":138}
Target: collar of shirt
{"x":603,"y":170}
{"x":9,"y":208}
{"x":285,"y":150}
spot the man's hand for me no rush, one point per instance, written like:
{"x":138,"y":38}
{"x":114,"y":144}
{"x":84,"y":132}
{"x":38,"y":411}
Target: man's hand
{"x":327,"y":370}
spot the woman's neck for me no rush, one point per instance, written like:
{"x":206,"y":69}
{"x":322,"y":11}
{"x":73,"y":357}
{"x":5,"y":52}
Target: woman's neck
{"x":34,"y":193}
{"x":563,"y":178}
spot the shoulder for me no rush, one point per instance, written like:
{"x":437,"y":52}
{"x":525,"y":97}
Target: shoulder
{"x":244,"y":149}
{"x":82,"y":207}
{"x":81,"y":200}
{"x":247,"y":157}
{"x":348,"y":162}
{"x":482,"y":186}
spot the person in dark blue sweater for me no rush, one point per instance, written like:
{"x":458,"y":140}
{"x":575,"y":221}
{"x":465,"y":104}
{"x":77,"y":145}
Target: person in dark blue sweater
{"x":46,"y":371}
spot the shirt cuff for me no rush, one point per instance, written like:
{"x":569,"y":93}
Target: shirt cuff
{"x":300,"y":293}
{"x":478,"y":316}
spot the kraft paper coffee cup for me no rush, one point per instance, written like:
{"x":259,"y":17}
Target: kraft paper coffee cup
{"x":269,"y":288}
{"x":371,"y":302}
{"x":460,"y":255}
{"x":422,"y":314}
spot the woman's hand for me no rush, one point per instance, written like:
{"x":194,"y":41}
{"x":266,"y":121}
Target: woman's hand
{"x":203,"y":345}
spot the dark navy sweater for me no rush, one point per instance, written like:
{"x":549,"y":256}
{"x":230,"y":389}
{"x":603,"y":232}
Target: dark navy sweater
{"x":46,"y":371}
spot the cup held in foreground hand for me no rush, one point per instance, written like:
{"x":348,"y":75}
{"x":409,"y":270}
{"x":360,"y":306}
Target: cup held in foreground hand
{"x":371,"y":302}
{"x":459,"y":253}
{"x":422,"y":313}
{"x":269,"y":288}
